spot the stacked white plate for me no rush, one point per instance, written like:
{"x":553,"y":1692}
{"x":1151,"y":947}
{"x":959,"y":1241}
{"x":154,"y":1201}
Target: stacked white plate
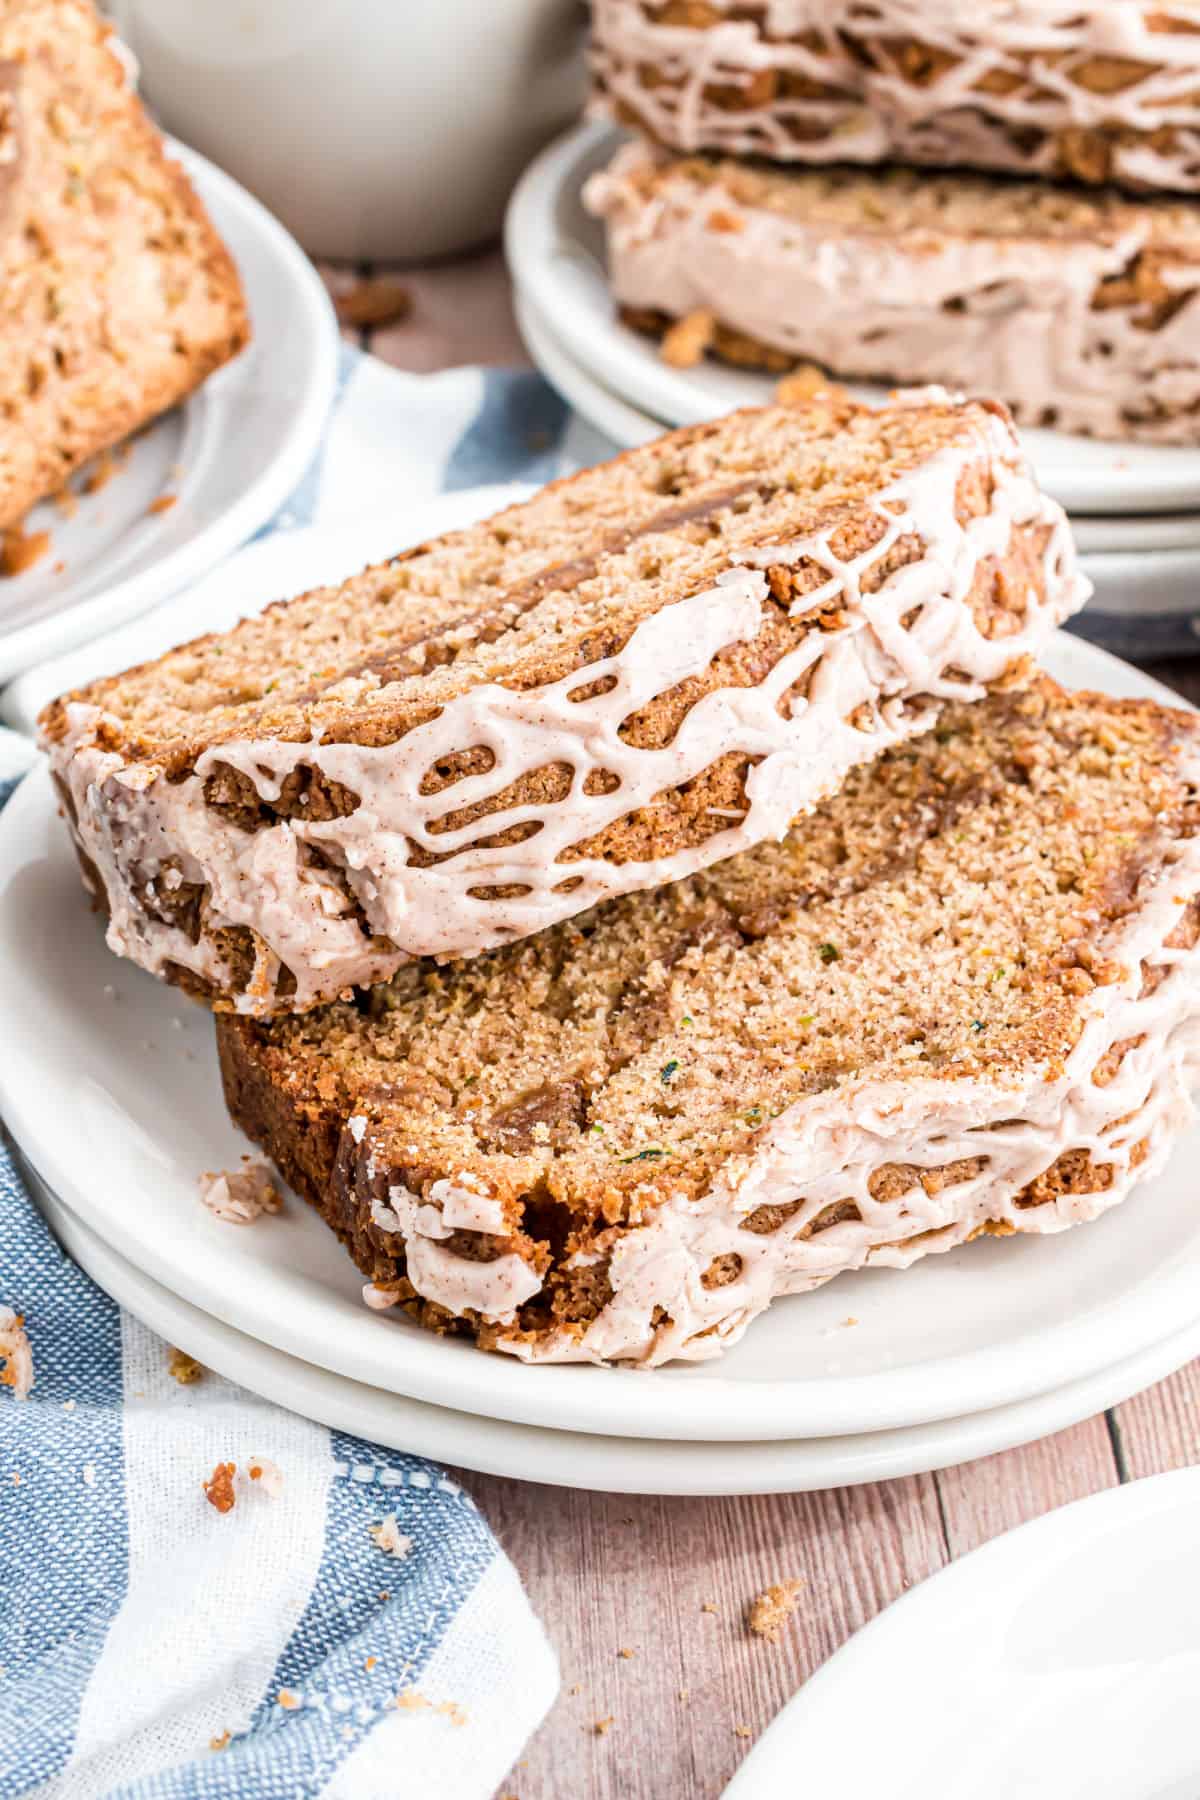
{"x":109,"y":1084}
{"x":1135,"y":507}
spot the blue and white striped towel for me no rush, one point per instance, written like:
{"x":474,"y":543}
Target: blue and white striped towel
{"x":139,"y":1626}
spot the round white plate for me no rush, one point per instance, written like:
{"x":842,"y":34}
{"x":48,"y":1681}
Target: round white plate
{"x":556,"y":253}
{"x":576,"y":1459}
{"x":109,"y":1082}
{"x":231,"y":454}
{"x":1061,"y":1659}
{"x":1165,"y":531}
{"x":616,"y":418}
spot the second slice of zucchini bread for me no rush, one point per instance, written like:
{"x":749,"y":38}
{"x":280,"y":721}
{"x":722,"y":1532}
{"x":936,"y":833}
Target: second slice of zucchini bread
{"x":647,"y":667}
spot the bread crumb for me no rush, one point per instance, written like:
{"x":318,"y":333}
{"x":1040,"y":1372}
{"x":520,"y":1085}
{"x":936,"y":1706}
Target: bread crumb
{"x":163,"y":504}
{"x":290,"y":1701}
{"x":850,"y":1321}
{"x":450,"y":1709}
{"x":219,"y":1743}
{"x":379,"y":300}
{"x":626,"y":1653}
{"x":20,"y":549}
{"x":600,"y":1726}
{"x":103,"y":467}
{"x":685,"y":1695}
{"x":408,"y":1700}
{"x":708,"y":1607}
{"x":742,"y":1731}
{"x":804,"y":383}
{"x":239,"y":1196}
{"x":218,"y":1489}
{"x":183,"y":1368}
{"x":684,"y":345}
{"x":577,"y":1689}
{"x":389,"y":1538}
{"x":16,"y":1355}
{"x":267,"y":1475}
{"x":370,"y":1663}
{"x":771,"y":1610}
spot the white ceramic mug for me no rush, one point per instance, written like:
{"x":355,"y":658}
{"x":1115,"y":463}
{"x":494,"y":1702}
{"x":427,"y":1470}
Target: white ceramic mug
{"x":382,"y":130}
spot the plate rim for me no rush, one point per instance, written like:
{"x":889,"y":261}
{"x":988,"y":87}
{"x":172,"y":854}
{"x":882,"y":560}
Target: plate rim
{"x":529,"y":234}
{"x":56,"y":632}
{"x":516,"y":1450}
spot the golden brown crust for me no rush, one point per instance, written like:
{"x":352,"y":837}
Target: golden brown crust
{"x":119,"y":298}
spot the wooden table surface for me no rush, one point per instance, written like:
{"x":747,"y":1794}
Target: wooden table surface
{"x":671,"y":1580}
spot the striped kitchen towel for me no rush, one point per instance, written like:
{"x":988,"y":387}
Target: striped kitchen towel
{"x":350,"y":1629}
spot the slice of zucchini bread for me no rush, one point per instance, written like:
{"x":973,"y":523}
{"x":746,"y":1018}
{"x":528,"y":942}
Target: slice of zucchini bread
{"x":1077,"y":308}
{"x":117,"y":297}
{"x":647,"y":667}
{"x":1089,"y":90}
{"x":963,"y":997}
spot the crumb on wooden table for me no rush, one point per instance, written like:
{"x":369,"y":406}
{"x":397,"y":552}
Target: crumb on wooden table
{"x":601,"y":1726}
{"x":218,"y":1489}
{"x":684,"y":345}
{"x":20,"y":549}
{"x":183,"y":1368}
{"x":708,"y":1606}
{"x":742,"y":1731}
{"x":626,"y":1653}
{"x":373,"y":302}
{"x":770,"y":1611}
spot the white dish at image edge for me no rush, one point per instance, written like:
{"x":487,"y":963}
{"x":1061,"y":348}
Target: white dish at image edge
{"x":1065,"y":1657}
{"x":577,"y":1459}
{"x":980,"y":1328}
{"x":229,"y":455}
{"x":555,"y":252}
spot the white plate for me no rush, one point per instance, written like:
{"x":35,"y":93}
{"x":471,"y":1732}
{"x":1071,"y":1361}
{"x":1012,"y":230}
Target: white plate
{"x":1062,"y":1659}
{"x":1166,"y":531}
{"x":573,"y":1458}
{"x":231,"y":454}
{"x":616,"y":418}
{"x":115,"y":1097}
{"x":556,"y":253}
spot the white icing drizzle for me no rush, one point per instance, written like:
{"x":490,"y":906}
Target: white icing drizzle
{"x":1009,"y":315}
{"x":131,"y":821}
{"x":869,"y":112}
{"x":826,"y":1147}
{"x":492,"y":1289}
